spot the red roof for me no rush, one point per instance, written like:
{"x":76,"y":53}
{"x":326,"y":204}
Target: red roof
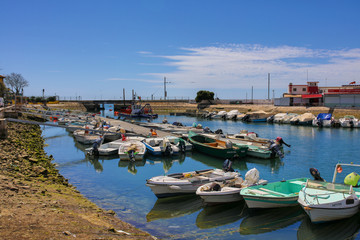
{"x":311,"y":96}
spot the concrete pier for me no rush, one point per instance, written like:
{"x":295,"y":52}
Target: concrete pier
{"x":140,"y":130}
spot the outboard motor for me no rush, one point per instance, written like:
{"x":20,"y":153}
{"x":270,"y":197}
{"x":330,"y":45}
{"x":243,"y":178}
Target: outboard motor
{"x":219,"y":131}
{"x":207,"y":130}
{"x":351,"y":124}
{"x":275,"y":150}
{"x":320,"y":122}
{"x":227,"y":166}
{"x":316,"y":174}
{"x":168,"y":150}
{"x":182,"y":145}
{"x":132,"y":155}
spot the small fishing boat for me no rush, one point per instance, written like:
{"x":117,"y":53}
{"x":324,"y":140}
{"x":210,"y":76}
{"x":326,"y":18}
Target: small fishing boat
{"x":274,"y":195}
{"x":289,"y":117}
{"x":349,"y":121}
{"x":323,"y":120}
{"x":85,"y":137}
{"x":187,"y":182}
{"x":219,"y":115}
{"x":132,"y":150}
{"x":137,"y":111}
{"x":161,"y":146}
{"x":257,"y":116}
{"x":279,"y":117}
{"x":112,"y":148}
{"x":228,"y":191}
{"x":329,"y":201}
{"x":305,"y":119}
{"x":231,"y":115}
{"x":182,"y":144}
{"x":216,"y":147}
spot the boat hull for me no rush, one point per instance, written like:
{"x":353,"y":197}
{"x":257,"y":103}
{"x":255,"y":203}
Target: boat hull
{"x":319,"y":215}
{"x":257,"y":202}
{"x":221,"y":197}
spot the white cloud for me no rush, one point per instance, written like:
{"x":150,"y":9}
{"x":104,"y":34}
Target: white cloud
{"x":243,"y":66}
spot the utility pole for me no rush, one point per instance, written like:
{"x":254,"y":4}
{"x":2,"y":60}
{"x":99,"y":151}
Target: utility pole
{"x":268,"y":86}
{"x":252,"y":94}
{"x":165,"y":93}
{"x":124,"y":95}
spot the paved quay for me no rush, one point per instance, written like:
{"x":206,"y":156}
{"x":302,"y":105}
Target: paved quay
{"x":130,"y":127}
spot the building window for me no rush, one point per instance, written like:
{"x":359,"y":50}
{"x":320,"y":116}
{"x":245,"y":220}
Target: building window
{"x":304,"y":89}
{"x":294,"y":89}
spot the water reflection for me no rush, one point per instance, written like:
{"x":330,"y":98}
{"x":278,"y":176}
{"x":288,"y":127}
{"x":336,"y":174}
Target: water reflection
{"x":267,"y":220}
{"x":274,"y":164}
{"x":131,"y":165}
{"x":94,"y":160}
{"x":167,"y":161}
{"x":218,"y":215}
{"x":342,"y":229}
{"x":213,"y":162}
{"x":165,"y":208}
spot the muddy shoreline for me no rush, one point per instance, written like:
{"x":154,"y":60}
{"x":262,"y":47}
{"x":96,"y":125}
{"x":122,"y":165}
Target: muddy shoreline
{"x":38,"y":203}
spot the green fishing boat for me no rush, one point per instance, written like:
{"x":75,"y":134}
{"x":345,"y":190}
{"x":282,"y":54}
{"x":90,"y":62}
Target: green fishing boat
{"x":215,"y":147}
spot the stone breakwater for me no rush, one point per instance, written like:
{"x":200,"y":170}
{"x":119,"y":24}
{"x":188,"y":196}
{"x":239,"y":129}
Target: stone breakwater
{"x":38,"y":203}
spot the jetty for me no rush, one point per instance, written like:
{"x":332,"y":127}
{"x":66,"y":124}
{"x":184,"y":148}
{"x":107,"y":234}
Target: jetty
{"x":45,"y":115}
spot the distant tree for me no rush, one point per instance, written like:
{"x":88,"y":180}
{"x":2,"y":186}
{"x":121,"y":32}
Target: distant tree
{"x":51,"y":99}
{"x":16,"y":82}
{"x":2,"y":89}
{"x":204,"y":95}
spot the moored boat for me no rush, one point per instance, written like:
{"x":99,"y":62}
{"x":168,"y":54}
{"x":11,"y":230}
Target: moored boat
{"x":274,"y":195}
{"x":132,"y":150}
{"x":161,"y":146}
{"x":329,"y":201}
{"x":187,"y":182}
{"x":216,"y":147}
{"x":228,"y":191}
{"x":323,"y":120}
{"x":349,"y":121}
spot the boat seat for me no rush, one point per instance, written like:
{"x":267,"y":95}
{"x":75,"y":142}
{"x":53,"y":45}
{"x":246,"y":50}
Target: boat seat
{"x":297,"y":182}
{"x":214,"y":144}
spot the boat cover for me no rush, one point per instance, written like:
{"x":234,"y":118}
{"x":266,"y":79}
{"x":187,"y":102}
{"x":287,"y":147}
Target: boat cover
{"x":324,"y":116}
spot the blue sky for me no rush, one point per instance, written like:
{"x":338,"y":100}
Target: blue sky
{"x":95,"y":49}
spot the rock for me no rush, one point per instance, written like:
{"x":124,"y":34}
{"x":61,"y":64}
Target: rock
{"x":34,"y":160}
{"x":110,"y":212}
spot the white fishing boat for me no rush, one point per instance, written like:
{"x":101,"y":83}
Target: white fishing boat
{"x":85,"y":136}
{"x":329,"y":201}
{"x":182,"y":144}
{"x":132,"y":150}
{"x":219,"y":115}
{"x":231,"y":115}
{"x":289,"y":117}
{"x":323,"y":120}
{"x":112,"y":148}
{"x":279,"y":117}
{"x":187,"y":182}
{"x":349,"y":121}
{"x":228,"y":191}
{"x":160,"y":146}
{"x":303,"y":119}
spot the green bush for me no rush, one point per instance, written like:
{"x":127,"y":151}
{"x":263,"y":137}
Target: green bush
{"x":204,"y":95}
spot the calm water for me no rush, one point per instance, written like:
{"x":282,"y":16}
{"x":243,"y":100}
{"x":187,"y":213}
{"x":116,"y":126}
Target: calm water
{"x":114,"y":184}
